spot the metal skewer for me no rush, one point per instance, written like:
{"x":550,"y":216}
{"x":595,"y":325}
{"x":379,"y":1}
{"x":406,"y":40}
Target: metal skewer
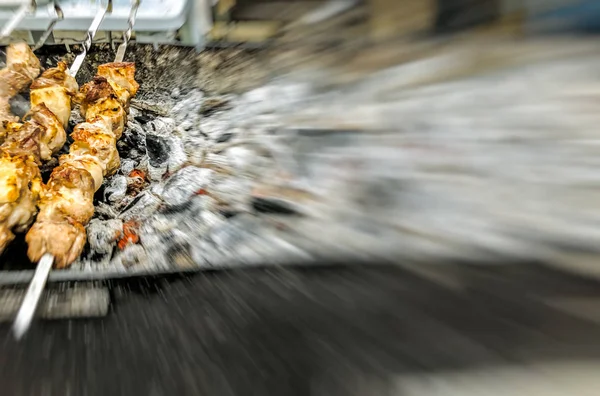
{"x":127,"y":34}
{"x":42,"y":271}
{"x":59,"y":17}
{"x":32,"y":297}
{"x":26,"y":8}
{"x":87,"y":43}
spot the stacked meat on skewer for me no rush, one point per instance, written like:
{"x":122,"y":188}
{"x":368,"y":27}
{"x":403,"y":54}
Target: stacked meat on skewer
{"x":66,"y":202}
{"x":26,"y":144}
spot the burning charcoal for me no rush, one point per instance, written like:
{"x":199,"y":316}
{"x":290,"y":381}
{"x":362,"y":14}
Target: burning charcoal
{"x":158,"y":154}
{"x":136,"y":181}
{"x":142,"y":206}
{"x":102,"y":234}
{"x":157,"y":149}
{"x":143,"y":118}
{"x":184,"y":184}
{"x":127,"y":165}
{"x":161,"y":126}
{"x":116,"y":189}
{"x":130,"y":234}
{"x":134,"y":135}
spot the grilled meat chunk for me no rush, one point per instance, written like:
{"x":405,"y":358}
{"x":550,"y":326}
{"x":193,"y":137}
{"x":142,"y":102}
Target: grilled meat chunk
{"x":54,"y":89}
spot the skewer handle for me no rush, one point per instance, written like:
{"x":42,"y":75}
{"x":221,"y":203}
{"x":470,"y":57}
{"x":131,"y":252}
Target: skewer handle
{"x":32,"y":297}
{"x":127,"y":33}
{"x":59,"y":17}
{"x":87,"y":43}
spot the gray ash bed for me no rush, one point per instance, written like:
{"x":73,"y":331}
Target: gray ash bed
{"x":434,"y":158}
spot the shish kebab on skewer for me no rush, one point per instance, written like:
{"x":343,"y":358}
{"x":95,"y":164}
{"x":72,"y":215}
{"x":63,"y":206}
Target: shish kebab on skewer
{"x":66,"y":202}
{"x":123,"y":85}
{"x":43,"y":129}
{"x":22,"y":66}
{"x":40,"y":135}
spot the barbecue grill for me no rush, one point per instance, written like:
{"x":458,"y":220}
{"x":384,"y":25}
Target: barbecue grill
{"x":224,"y":163}
{"x":154,"y":167}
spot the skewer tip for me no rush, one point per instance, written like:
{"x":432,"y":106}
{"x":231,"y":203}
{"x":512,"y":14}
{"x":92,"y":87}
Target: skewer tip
{"x":32,"y":296}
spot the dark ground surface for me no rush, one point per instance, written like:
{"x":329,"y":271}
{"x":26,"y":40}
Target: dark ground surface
{"x":317,"y":331}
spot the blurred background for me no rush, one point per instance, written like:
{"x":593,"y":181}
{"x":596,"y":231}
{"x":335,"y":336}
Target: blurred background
{"x":403,"y":201}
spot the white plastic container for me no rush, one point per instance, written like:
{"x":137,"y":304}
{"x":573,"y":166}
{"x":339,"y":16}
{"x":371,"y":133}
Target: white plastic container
{"x":152,"y":16}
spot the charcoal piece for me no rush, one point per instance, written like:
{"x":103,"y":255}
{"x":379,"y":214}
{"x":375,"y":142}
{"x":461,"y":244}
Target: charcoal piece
{"x":157,"y":149}
{"x":143,"y":118}
{"x":116,"y":189}
{"x":134,"y":135}
{"x":272,"y":205}
{"x":102,"y":234}
{"x":184,"y":184}
{"x":142,"y":206}
{"x":224,"y":137}
{"x":133,"y":255}
{"x":127,"y":165}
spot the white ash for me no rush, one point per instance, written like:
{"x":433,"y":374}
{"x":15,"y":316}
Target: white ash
{"x":156,"y":173}
{"x":115,"y":189}
{"x":127,"y":165}
{"x":178,"y":157}
{"x":132,"y":255}
{"x":164,"y":148}
{"x":102,"y":234}
{"x":141,"y":207}
{"x":234,"y":191}
{"x":469,"y":169}
{"x":213,"y":127}
{"x":184,"y":184}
